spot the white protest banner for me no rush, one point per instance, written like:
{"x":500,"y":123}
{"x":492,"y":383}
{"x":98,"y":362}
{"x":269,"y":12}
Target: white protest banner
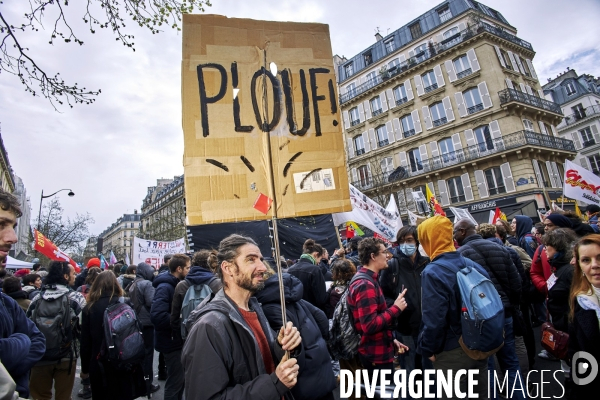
{"x":581,"y":184}
{"x":412,"y":218}
{"x":393,"y":208}
{"x":370,"y":214}
{"x":153,"y":251}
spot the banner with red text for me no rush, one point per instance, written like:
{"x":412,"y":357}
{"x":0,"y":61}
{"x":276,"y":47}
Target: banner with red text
{"x":43,"y":245}
{"x":581,"y":184}
{"x":153,"y":251}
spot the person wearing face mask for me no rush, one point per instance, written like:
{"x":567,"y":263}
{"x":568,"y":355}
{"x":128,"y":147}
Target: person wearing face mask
{"x":404,"y":272}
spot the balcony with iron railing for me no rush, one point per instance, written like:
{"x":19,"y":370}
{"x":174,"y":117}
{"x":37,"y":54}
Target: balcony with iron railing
{"x":409,"y":133}
{"x":475,"y":108}
{"x":464,"y":73}
{"x":474,"y":153}
{"x":578,"y":116}
{"x":354,"y":122}
{"x":377,"y":112}
{"x":431,"y":51}
{"x":439,"y":122}
{"x":401,"y":101}
{"x":431,"y":87}
{"x":513,"y":95}
{"x":384,"y":142}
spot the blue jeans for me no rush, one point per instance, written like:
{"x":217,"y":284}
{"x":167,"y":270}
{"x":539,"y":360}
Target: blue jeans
{"x":509,"y":362}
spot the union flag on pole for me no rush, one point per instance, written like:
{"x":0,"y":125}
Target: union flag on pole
{"x":434,"y":206}
{"x":49,"y":249}
{"x":498,"y":214}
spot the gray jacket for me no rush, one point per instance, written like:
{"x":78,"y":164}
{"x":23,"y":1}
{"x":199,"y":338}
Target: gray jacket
{"x":141,"y":292}
{"x":221,"y":348}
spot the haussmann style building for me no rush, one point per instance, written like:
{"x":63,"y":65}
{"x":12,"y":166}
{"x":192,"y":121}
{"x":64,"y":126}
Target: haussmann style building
{"x":452,"y":100}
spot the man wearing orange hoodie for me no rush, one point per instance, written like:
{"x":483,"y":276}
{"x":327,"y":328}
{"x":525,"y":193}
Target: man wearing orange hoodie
{"x":441,"y":308}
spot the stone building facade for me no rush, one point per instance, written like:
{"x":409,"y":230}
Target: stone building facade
{"x":452,"y":100}
{"x":119,"y":236}
{"x":163,"y":211}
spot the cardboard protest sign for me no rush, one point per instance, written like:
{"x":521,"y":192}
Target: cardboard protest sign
{"x":248,"y":85}
{"x":153,"y":251}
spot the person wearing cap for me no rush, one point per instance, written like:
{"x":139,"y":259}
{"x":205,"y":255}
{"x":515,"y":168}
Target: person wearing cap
{"x":592,"y":212}
{"x":80,"y":279}
{"x":441,"y":313}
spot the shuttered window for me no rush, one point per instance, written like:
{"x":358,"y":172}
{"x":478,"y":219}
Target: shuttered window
{"x":484,"y":138}
{"x":408,"y":128}
{"x":359,"y":145}
{"x":473,"y":100}
{"x":594,"y":162}
{"x":414,"y":157}
{"x":354,"y":118}
{"x":429,"y":81}
{"x":382,"y":136}
{"x":455,"y":190}
{"x":495,"y":182}
{"x":438,"y":114}
{"x":462,"y":66}
{"x":400,"y":95}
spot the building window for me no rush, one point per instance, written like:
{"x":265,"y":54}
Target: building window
{"x":351,"y":89}
{"x":414,"y":157}
{"x":420,"y":54}
{"x":349,"y":69}
{"x":528,"y":125}
{"x":368,"y":57}
{"x":389,"y":46}
{"x":445,"y":14}
{"x":586,"y":137}
{"x":407,"y":126}
{"x":484,"y":138}
{"x":473,"y":100}
{"x":354,"y":119}
{"x":131,"y":225}
{"x":451,"y":37}
{"x":400,"y":94}
{"x":363,"y":175}
{"x":570,"y":88}
{"x":376,"y":106}
{"x":446,"y":150}
{"x":524,"y":65}
{"x":387,"y":167}
{"x":578,"y":111}
{"x":359,"y":145}
{"x":456,"y":191}
{"x":494,"y":180}
{"x":371,"y":79}
{"x":415,"y":30}
{"x":516,"y":86}
{"x":429,"y":81}
{"x":393,"y":64}
{"x":422,"y":206}
{"x":382,"y":136}
{"x":505,"y":57}
{"x":438,"y":114}
{"x":462,"y":66}
{"x":595,"y":163}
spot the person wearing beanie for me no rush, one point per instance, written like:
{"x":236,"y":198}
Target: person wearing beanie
{"x":80,"y":279}
{"x":21,"y":273}
{"x":592,"y":212}
{"x":12,"y":288}
{"x":577,"y":224}
{"x":553,"y":221}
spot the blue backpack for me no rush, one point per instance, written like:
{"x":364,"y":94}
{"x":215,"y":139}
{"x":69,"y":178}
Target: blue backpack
{"x":482,"y":314}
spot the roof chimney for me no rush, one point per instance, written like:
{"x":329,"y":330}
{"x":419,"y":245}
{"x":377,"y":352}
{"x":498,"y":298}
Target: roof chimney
{"x":378,"y":37}
{"x":135,"y":211}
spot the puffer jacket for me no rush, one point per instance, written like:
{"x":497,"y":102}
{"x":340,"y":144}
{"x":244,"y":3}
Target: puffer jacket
{"x":22,"y":345}
{"x":165,"y":341}
{"x":141,"y":292}
{"x":316,"y":377}
{"x":402,"y":272}
{"x":312,"y":280}
{"x":497,"y":261}
{"x":221,"y":348}
{"x":197,"y":276}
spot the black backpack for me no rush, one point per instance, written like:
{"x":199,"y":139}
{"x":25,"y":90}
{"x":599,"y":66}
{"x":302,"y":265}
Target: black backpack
{"x":123,"y":345}
{"x":55,"y":318}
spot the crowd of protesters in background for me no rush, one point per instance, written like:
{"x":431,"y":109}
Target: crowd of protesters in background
{"x":215,"y":316}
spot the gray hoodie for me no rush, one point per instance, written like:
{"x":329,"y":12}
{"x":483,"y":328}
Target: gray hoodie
{"x":141,"y":292}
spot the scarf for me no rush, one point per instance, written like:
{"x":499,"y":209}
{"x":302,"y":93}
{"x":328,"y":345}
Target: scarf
{"x":309,"y":258}
{"x":586,"y":302}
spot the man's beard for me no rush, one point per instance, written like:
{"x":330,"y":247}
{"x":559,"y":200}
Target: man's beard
{"x":245,"y":282}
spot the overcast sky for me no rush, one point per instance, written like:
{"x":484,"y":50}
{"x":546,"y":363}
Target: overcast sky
{"x":109,"y":152}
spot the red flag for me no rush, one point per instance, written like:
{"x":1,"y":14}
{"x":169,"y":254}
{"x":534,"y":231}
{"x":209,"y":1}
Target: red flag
{"x":49,"y":249}
{"x":497,"y":215}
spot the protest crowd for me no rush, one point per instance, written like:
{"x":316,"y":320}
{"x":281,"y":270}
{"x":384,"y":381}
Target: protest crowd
{"x":215,"y":316}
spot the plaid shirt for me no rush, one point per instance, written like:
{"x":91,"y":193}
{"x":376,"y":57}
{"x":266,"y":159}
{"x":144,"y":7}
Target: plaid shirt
{"x":372,"y":319}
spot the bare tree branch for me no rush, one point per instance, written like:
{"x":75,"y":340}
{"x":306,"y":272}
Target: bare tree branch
{"x":16,"y":59}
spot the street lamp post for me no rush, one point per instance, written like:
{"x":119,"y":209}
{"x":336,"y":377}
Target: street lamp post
{"x":42,"y":197}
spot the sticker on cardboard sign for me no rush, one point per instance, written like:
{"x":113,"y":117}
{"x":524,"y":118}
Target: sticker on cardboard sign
{"x":314,"y":181}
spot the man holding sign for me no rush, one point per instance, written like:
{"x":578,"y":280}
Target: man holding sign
{"x":230,"y":344}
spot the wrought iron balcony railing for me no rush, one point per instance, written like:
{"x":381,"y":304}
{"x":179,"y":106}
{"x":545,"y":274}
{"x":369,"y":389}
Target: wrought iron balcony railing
{"x":431,"y":51}
{"x":360,"y":152}
{"x":440,"y":121}
{"x":431,"y":87}
{"x":401,"y":101}
{"x":508,"y":95}
{"x":578,"y":116}
{"x":377,"y":112}
{"x":475,"y":108}
{"x":464,"y":73}
{"x":382,"y":143}
{"x":354,"y":122}
{"x":472,"y":153}
{"x":409,"y":133}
